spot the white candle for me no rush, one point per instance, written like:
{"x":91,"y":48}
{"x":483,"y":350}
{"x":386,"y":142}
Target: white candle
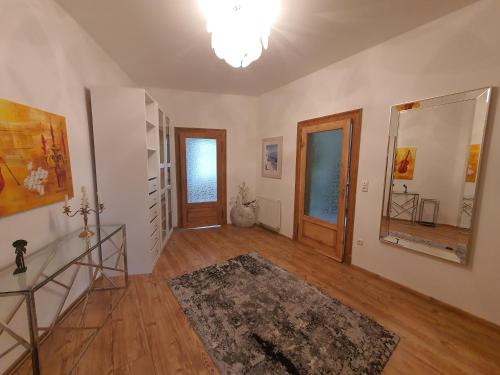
{"x":66,"y":200}
{"x":98,"y":198}
{"x":85,"y":202}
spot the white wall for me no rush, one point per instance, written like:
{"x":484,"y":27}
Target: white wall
{"x":441,"y":136}
{"x":237,"y":114}
{"x":455,"y":53}
{"x":47,"y":61}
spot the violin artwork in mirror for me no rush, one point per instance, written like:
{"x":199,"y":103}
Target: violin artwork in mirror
{"x":433,"y":165}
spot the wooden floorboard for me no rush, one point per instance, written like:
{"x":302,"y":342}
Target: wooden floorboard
{"x":149,"y":334}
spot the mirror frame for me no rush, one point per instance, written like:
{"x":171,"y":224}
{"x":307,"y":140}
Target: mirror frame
{"x":396,"y":111}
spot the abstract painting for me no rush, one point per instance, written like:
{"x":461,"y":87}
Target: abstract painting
{"x":35,"y":168}
{"x":404,"y":165}
{"x":472,"y":163}
{"x":271,"y":157}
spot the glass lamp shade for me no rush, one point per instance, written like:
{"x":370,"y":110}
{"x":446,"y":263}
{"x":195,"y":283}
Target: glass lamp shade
{"x":240,"y":28}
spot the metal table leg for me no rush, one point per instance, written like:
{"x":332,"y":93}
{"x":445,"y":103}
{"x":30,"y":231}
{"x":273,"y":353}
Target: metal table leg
{"x":33,"y":328}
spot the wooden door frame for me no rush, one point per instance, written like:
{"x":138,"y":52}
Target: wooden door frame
{"x":329,"y":236}
{"x":223,"y":177}
{"x":356,"y":117}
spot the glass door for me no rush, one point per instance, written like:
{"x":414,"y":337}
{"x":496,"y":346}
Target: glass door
{"x":202,"y":168}
{"x":323,"y":175}
{"x":323,"y":161}
{"x":167,"y":177}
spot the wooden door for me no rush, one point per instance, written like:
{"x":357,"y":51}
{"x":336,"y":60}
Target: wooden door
{"x":322,"y":175}
{"x":201,"y":177}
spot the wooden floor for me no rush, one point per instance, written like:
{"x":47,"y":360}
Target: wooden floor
{"x":443,"y":234}
{"x":149,"y":334}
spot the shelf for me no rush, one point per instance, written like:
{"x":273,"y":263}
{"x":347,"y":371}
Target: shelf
{"x":149,"y":99}
{"x":150,"y":125}
{"x":154,"y":248}
{"x":152,"y":149}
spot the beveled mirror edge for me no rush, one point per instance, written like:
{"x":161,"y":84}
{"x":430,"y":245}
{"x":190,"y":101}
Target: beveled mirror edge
{"x":488,"y":92}
{"x":428,"y":250}
{"x":394,"y":115}
{"x":444,"y":99}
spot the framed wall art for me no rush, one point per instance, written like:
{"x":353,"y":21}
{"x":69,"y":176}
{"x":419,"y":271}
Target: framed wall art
{"x":35,"y":168}
{"x":404,"y":164}
{"x":472,"y":162}
{"x":272,"y":155}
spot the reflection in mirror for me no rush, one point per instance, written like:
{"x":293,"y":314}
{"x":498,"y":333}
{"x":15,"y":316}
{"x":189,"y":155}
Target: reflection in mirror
{"x":435,"y":148}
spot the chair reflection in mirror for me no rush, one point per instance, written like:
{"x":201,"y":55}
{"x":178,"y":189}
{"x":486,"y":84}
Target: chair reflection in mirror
{"x":429,"y":200}
{"x":429,"y":212}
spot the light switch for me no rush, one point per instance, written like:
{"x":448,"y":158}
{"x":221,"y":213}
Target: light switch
{"x":364,"y":186}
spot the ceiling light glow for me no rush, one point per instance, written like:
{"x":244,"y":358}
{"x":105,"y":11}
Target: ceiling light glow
{"x":240,"y":28}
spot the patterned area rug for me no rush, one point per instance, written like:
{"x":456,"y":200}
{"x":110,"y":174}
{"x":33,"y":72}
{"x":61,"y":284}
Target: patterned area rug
{"x":255,"y":318}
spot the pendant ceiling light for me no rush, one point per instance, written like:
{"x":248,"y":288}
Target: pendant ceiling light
{"x":239,"y":28}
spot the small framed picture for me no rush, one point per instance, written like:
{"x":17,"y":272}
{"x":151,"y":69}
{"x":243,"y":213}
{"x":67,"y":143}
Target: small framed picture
{"x":272,"y":154}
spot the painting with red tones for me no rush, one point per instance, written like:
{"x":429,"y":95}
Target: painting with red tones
{"x":404,"y":165}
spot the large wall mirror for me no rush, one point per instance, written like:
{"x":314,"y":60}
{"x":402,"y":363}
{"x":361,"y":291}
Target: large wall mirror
{"x":434,"y":155}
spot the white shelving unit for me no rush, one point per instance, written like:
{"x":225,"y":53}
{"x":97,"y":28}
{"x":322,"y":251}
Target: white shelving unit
{"x":165,"y":180}
{"x":132,"y":154}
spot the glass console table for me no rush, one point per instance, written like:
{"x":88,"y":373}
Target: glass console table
{"x":73,"y":269}
{"x":404,"y":206}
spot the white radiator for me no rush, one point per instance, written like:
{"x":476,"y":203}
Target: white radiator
{"x":269,"y":213}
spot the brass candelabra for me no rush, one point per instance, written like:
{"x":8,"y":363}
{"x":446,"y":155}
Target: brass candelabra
{"x":84,"y":210}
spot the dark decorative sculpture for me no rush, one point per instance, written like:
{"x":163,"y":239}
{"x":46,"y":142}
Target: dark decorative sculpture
{"x":20,"y":246}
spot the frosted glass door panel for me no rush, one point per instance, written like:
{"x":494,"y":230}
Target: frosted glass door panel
{"x":201,"y":170}
{"x":324,"y":153}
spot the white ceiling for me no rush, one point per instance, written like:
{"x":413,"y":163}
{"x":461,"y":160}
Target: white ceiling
{"x":164,"y":43}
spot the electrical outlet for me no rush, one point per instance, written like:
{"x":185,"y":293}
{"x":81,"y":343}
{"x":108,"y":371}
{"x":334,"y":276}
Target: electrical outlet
{"x":360,"y":242}
{"x":364,"y":186}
